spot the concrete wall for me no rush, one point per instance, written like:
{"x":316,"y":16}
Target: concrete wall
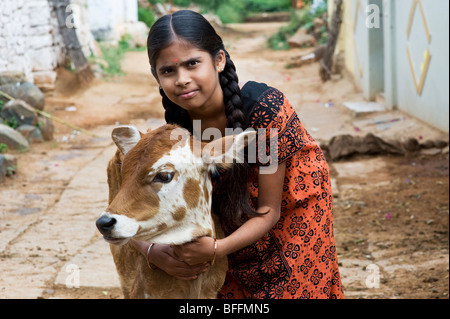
{"x":425,"y":94}
{"x":406,"y":57}
{"x":30,"y":42}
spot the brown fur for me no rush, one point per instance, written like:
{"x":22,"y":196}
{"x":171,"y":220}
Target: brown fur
{"x":136,"y":277}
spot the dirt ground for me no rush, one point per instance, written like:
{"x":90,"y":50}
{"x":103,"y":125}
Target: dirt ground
{"x":391,"y":212}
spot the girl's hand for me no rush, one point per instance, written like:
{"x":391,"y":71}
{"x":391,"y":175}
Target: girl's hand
{"x":197,"y":252}
{"x":164,"y":257}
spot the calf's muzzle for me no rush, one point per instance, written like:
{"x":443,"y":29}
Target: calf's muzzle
{"x":105,"y":224}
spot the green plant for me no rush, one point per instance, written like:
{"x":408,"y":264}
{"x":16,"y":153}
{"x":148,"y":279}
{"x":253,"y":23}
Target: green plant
{"x":12,"y":122}
{"x":267,"y":5}
{"x":146,"y":16}
{"x":11,"y":170}
{"x":113,"y":56}
{"x":3,"y":148}
{"x":231,"y":11}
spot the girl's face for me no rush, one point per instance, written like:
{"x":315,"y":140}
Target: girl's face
{"x":190,"y":78}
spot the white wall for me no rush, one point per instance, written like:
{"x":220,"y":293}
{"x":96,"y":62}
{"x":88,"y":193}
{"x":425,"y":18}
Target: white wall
{"x":108,"y":17}
{"x":30,"y":42}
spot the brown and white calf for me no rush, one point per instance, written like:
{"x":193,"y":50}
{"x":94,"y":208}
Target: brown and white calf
{"x":160,"y":191}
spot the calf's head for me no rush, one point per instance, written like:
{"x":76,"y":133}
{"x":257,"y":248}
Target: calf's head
{"x":165,"y":191}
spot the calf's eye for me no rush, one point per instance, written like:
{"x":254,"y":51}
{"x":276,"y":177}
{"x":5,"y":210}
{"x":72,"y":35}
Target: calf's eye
{"x":163,"y":177}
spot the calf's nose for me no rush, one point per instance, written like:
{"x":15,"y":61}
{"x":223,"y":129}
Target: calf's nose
{"x":105,"y":224}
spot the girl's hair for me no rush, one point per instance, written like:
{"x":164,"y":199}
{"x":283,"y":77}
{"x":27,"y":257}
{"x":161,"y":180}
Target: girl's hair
{"x":232,"y":197}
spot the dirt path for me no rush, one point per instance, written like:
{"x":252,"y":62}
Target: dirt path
{"x":391,"y":213}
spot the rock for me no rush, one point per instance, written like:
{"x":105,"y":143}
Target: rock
{"x":8,"y":165}
{"x":411,"y":145}
{"x":433,"y":144}
{"x":302,"y":39}
{"x":19,"y":111}
{"x":11,"y":78}
{"x":13,"y":139}
{"x":31,"y":133}
{"x":47,"y":128}
{"x":31,"y":94}
{"x":342,"y":146}
{"x":27,"y":92}
{"x":9,"y":88}
{"x":138,"y":32}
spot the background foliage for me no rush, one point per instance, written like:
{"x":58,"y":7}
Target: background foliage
{"x":230,"y":11}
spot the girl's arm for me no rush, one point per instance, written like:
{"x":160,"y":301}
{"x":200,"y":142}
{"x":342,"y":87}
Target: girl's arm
{"x":269,"y":200}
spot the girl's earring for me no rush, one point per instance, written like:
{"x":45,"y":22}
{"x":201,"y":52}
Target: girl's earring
{"x":220,"y":69}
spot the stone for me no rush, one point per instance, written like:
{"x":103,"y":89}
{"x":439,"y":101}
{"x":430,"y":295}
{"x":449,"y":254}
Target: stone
{"x":25,"y":91}
{"x":19,"y":112}
{"x":301,"y":39}
{"x":11,"y":78}
{"x":31,"y":94}
{"x":13,"y":139}
{"x":32,"y":133}
{"x":45,"y":80}
{"x":46,"y":127}
{"x":8,"y":166}
{"x":9,"y":88}
{"x":360,"y":108}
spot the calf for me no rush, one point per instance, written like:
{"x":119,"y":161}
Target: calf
{"x":160,"y":191}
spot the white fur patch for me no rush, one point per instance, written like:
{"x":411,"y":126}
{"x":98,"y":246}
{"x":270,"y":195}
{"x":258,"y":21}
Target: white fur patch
{"x":124,"y":228}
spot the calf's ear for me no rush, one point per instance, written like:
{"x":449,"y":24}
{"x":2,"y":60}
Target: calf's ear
{"x":225,"y":151}
{"x":126,"y":137}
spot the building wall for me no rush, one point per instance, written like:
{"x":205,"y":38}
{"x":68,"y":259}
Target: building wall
{"x":30,"y":42}
{"x":424,"y":93}
{"x":406,"y":57}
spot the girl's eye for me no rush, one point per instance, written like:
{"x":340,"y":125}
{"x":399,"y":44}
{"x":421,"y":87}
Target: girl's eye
{"x":163,"y":177}
{"x":193,"y":63}
{"x":167,"y":71}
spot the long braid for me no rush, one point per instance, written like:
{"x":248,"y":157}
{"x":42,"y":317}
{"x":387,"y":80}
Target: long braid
{"x":233,"y":213}
{"x":229,"y":82}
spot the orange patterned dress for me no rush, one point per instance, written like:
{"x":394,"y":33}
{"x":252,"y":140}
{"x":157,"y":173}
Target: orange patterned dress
{"x":297,"y":258}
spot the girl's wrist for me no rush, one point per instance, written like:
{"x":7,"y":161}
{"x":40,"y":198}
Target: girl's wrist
{"x":220,"y":249}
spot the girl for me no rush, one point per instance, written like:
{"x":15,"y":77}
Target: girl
{"x":279,"y":226}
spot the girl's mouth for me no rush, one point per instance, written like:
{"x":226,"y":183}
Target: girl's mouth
{"x":188,"y":95}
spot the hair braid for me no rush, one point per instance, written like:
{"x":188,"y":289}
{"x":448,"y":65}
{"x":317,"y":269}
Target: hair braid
{"x":229,"y":82}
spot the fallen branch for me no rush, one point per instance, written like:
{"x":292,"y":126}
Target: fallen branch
{"x":52,"y":117}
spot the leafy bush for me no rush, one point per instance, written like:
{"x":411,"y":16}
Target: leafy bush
{"x":3,"y":148}
{"x":267,"y":5}
{"x":146,"y":16}
{"x":231,"y":11}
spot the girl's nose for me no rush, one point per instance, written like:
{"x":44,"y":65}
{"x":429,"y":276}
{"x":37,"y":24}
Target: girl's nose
{"x":183,"y":78}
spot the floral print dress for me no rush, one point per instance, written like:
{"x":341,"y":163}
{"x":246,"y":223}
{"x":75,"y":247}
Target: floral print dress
{"x":297,"y":258}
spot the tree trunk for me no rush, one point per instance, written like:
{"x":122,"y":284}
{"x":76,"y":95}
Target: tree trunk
{"x":71,"y":42}
{"x":326,"y":64}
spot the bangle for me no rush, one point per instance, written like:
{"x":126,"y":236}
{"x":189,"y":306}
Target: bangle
{"x":215,"y":251}
{"x":148,"y":261}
